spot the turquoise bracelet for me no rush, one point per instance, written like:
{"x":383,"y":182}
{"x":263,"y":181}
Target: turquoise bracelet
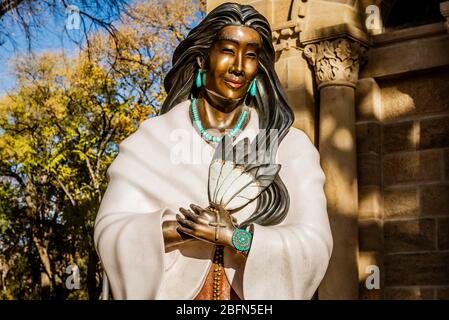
{"x":241,"y":239}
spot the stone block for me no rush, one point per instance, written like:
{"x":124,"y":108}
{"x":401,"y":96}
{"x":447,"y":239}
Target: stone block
{"x":398,"y":137}
{"x":414,"y":269}
{"x":434,"y":199}
{"x":400,"y":202}
{"x":416,"y":95}
{"x":411,"y":167}
{"x":409,"y":235}
{"x":434,"y":133}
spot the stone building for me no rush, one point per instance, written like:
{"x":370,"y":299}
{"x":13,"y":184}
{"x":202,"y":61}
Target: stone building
{"x":369,"y":83}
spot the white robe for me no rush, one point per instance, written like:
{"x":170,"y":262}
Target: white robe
{"x":158,"y":170}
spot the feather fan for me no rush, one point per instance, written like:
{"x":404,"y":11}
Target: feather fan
{"x":239,"y":174}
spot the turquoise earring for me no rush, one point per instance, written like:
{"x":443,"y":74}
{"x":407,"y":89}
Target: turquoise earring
{"x":200,"y":78}
{"x":252,"y":89}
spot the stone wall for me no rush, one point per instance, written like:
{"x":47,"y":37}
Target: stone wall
{"x":404,"y":185}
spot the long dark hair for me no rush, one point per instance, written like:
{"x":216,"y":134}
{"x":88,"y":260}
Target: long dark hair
{"x":271,"y":103}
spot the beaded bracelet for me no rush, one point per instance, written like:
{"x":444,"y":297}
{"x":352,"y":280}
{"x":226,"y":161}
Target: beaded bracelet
{"x":241,"y":240}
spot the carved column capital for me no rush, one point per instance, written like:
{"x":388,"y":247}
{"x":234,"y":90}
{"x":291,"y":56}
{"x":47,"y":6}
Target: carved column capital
{"x":336,"y":62}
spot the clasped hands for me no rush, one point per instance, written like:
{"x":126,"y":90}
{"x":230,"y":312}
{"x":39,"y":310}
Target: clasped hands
{"x":213,"y":224}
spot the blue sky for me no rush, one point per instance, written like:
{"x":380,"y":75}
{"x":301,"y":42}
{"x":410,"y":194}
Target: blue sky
{"x":51,"y":37}
{"x":52,"y":42}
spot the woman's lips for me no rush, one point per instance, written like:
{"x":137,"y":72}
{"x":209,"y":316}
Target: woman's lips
{"x":233,"y":84}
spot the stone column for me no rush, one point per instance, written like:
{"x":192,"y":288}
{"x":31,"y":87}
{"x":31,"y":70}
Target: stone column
{"x":336,"y":66}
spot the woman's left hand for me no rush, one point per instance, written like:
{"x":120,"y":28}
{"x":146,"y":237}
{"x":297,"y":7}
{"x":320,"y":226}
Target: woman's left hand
{"x":213,"y":225}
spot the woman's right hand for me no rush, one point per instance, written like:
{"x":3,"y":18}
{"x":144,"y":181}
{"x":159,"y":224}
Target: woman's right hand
{"x":171,"y":235}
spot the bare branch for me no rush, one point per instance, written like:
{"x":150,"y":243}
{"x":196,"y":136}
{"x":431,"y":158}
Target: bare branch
{"x":66,"y":191}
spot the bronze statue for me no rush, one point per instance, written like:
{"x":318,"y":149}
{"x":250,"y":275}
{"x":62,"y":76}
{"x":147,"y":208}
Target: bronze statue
{"x":222,"y":85}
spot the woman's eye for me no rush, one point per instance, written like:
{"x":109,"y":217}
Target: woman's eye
{"x":251,"y":55}
{"x":227,"y":50}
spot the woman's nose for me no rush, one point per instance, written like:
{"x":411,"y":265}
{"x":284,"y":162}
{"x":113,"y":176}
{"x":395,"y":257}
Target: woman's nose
{"x":237,"y":66}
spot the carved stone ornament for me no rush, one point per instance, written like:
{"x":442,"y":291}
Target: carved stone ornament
{"x":286,"y":34}
{"x":336,"y":62}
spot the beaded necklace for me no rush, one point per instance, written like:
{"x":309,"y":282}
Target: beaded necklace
{"x":206,"y":135}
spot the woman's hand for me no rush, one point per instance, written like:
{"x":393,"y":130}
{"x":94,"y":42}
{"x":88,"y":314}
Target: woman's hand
{"x":210,"y":224}
{"x":172,"y":237}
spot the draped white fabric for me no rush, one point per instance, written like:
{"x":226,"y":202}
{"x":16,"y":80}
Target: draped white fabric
{"x":164,"y":166}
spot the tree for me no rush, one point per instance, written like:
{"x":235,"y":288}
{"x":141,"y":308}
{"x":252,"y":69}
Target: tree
{"x":59,"y":132}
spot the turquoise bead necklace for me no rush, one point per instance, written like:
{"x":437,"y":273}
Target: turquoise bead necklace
{"x":206,"y":135}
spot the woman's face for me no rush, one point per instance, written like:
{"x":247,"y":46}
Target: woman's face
{"x":233,"y":61}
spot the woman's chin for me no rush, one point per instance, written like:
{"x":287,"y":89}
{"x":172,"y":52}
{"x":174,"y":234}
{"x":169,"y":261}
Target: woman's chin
{"x":232,"y":94}
{"x":225,"y":94}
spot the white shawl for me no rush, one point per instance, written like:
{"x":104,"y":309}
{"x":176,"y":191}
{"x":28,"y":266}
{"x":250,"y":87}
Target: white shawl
{"x":164,"y":166}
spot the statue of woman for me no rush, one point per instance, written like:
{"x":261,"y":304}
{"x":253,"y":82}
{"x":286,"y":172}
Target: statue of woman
{"x":155,"y":233}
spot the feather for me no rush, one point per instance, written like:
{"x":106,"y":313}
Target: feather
{"x":239,"y":174}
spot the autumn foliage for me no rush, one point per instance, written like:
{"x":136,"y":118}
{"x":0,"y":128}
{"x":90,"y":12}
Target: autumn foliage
{"x":59,"y":131}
